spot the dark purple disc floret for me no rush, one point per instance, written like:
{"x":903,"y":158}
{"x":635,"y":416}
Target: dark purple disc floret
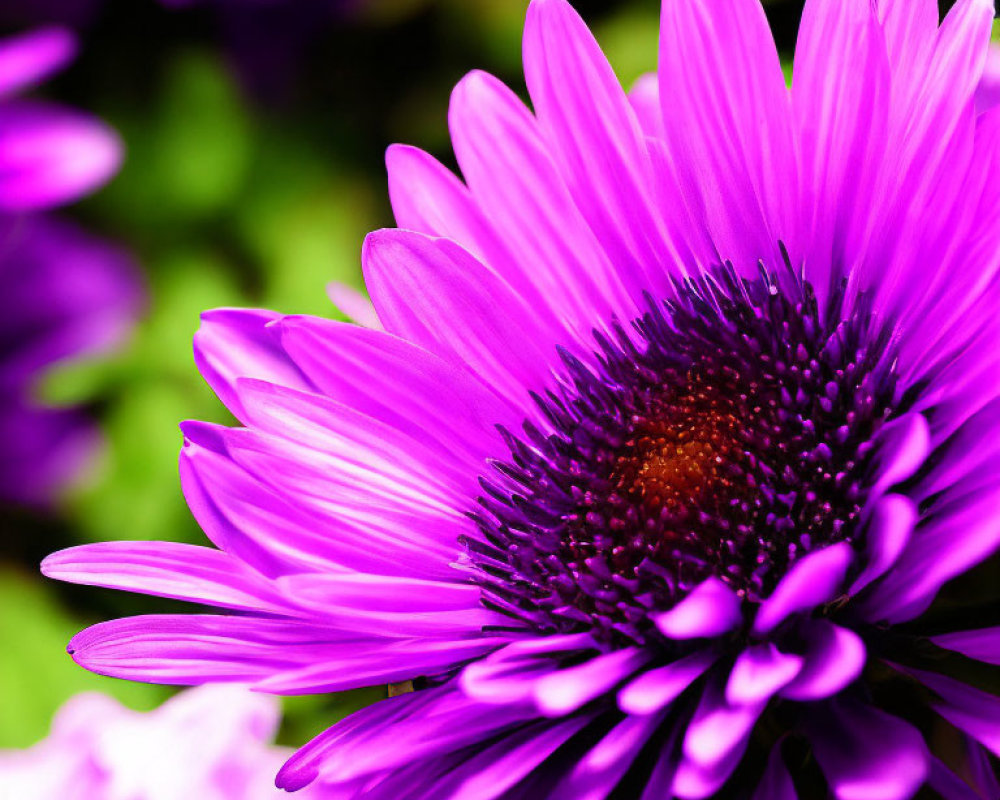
{"x":727,"y":434}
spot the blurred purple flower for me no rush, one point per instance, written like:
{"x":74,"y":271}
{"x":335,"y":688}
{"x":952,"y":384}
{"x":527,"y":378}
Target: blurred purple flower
{"x":49,"y":155}
{"x":66,"y":293}
{"x":685,"y":409}
{"x":211,"y":743}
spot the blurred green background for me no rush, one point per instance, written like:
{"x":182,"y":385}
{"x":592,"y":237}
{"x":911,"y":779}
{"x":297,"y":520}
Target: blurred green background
{"x":251,"y":179}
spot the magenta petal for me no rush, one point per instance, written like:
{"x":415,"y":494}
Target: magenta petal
{"x":958,"y":534}
{"x":498,"y":769}
{"x":840,"y":99}
{"x":567,"y":689}
{"x":198,"y":648}
{"x":366,"y":662}
{"x":30,"y":58}
{"x":645,"y":100}
{"x":598,"y":772}
{"x":903,"y":447}
{"x":655,"y":689}
{"x":759,"y":672}
{"x":436,"y":295}
{"x":982,"y":645}
{"x":776,"y":783}
{"x":598,"y":144}
{"x":867,"y":754}
{"x":887,"y":532}
{"x":970,"y":710}
{"x":711,"y":609}
{"x":353,"y":304}
{"x":50,"y":155}
{"x":834,"y":659}
{"x":400,"y":384}
{"x":557,"y":262}
{"x":694,"y":781}
{"x":719,"y":728}
{"x":168,"y":569}
{"x":238,"y":343}
{"x":948,"y":785}
{"x":812,"y":581}
{"x":727,"y":116}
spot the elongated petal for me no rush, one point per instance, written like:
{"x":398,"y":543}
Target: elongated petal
{"x":759,"y":672}
{"x":430,"y":292}
{"x":181,"y":571}
{"x":596,"y":139}
{"x":834,"y":659}
{"x":728,"y":114}
{"x":711,"y":609}
{"x":867,"y":754}
{"x":814,"y":580}
{"x":655,"y":689}
{"x":50,"y":155}
{"x":982,"y":645}
{"x":195,"y":648}
{"x":558,"y":262}
{"x":28,"y":59}
{"x":568,"y":689}
{"x":237,"y":343}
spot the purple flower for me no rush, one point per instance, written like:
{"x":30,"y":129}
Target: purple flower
{"x":685,"y":410}
{"x":49,"y":155}
{"x":210,"y":743}
{"x":66,"y":293}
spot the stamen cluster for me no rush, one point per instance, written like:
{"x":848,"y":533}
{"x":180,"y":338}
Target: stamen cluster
{"x":728,"y":434}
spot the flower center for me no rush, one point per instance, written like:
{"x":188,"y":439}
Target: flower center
{"x":727,"y":435}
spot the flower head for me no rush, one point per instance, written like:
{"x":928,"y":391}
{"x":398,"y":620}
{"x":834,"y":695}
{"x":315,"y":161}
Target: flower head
{"x":211,"y":743}
{"x":684,"y":412}
{"x":67,"y":293}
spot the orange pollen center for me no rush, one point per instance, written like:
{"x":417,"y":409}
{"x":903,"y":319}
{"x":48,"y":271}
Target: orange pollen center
{"x":683,"y":449}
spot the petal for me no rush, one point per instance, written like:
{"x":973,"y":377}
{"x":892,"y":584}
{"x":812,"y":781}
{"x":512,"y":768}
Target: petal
{"x":776,"y":783}
{"x":557,"y":260}
{"x":368,"y":662}
{"x":718,"y":727}
{"x":834,"y":658}
{"x":813,"y":580}
{"x":660,"y":686}
{"x":970,"y":710}
{"x":886,"y":534}
{"x":569,"y":688}
{"x":401,"y":385}
{"x":197,"y":648}
{"x":645,"y":100}
{"x":401,"y":730}
{"x":759,"y":672}
{"x":727,"y":113}
{"x":238,"y":343}
{"x":903,"y":447}
{"x":711,"y":609}
{"x":50,"y":155}
{"x":982,"y":645}
{"x":30,"y":58}
{"x":500,"y":768}
{"x":840,"y":98}
{"x":867,"y":754}
{"x":601,"y":769}
{"x":950,"y":540}
{"x":353,"y":304}
{"x":597,"y":143}
{"x":436,"y":295}
{"x":167,"y":569}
